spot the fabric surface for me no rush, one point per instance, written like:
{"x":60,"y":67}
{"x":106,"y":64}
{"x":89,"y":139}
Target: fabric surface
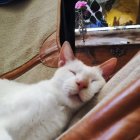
{"x":36,"y":74}
{"x":128,"y":74}
{"x":24,"y":26}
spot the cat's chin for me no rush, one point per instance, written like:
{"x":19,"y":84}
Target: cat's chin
{"x":76,"y":98}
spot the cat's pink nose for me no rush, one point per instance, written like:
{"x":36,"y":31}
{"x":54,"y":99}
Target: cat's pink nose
{"x":81,"y":85}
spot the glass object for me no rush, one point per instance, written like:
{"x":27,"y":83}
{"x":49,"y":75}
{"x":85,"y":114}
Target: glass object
{"x":107,"y":22}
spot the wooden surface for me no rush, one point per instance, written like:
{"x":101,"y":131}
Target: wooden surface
{"x":109,"y":36}
{"x":96,"y":55}
{"x":101,"y":44}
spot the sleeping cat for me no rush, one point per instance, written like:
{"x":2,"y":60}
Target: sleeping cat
{"x":41,"y":111}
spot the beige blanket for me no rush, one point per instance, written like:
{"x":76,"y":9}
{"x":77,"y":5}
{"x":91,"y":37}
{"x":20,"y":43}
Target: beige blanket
{"x":24,"y":26}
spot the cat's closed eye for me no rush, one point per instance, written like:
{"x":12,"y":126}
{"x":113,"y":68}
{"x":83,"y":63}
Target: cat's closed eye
{"x":74,"y":73}
{"x":93,"y":80}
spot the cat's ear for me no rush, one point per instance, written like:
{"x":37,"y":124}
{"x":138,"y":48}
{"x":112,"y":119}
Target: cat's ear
{"x":66,"y":54}
{"x":108,"y":67}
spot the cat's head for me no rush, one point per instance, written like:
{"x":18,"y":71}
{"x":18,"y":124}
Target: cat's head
{"x":78,"y":82}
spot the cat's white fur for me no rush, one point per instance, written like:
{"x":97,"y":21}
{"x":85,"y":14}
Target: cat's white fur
{"x":41,"y":111}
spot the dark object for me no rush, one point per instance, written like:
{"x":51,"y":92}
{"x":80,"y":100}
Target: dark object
{"x":109,"y":4}
{"x":118,"y":51}
{"x":67,"y":22}
{"x":5,"y":1}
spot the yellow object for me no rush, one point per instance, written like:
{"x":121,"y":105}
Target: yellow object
{"x":123,"y":11}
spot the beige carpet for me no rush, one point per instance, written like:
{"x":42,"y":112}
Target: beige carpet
{"x":24,"y":26}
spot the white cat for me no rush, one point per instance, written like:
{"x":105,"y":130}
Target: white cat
{"x":41,"y":111}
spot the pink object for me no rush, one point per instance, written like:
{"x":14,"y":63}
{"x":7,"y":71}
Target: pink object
{"x":81,"y":84}
{"x":80,"y":4}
